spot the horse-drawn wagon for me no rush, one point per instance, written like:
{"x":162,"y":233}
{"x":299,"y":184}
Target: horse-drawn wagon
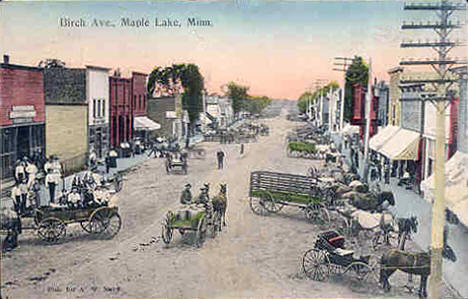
{"x":195,"y":218}
{"x":176,"y":162}
{"x":329,"y":256}
{"x":271,"y":191}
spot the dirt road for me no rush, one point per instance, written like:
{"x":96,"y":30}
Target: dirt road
{"x":254,"y":256}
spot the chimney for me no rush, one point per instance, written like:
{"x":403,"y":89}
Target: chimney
{"x":6,"y":59}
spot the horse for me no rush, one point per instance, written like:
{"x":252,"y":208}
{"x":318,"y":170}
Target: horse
{"x":418,"y":263}
{"x":220,"y":203}
{"x":11,"y":222}
{"x":406,"y":226}
{"x":372,"y":201}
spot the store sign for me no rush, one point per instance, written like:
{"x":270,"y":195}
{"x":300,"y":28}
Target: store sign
{"x":22,"y":120}
{"x":22,"y":112}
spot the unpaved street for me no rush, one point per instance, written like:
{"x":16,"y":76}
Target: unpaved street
{"x":254,"y":256}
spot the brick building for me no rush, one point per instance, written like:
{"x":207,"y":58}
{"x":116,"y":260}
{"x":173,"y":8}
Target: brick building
{"x":359,"y":111}
{"x":167,"y":111}
{"x":142,"y":125}
{"x":121,"y":118}
{"x":21,"y":113}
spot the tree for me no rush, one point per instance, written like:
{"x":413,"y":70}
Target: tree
{"x":238,"y":94}
{"x":255,"y":104}
{"x":358,"y":72}
{"x":308,"y":96}
{"x":51,"y":62}
{"x":177,"y":78}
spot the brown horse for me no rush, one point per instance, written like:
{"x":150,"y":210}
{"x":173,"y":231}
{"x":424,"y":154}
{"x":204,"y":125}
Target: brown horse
{"x":418,"y":263}
{"x":220,"y":202}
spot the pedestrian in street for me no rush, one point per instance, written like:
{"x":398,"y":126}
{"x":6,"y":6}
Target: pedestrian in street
{"x":92,"y":159}
{"x":220,"y":156}
{"x":23,"y":186}
{"x":16,"y":197}
{"x":387,"y":173}
{"x":51,"y":182}
{"x":108,"y":162}
{"x":241,"y":149}
{"x":186,"y":196}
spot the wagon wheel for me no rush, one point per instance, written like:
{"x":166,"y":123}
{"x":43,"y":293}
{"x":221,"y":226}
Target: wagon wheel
{"x":214,"y":225}
{"x":113,"y":224}
{"x":201,"y":232}
{"x":271,"y":204}
{"x":51,"y":229}
{"x":38,"y":216}
{"x":99,"y":219}
{"x":258,"y":206}
{"x":166,"y":233}
{"x":86,"y":226}
{"x":316,"y":264}
{"x":361,"y":273}
{"x":317,"y":214}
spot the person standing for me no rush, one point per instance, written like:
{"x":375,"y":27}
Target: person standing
{"x":16,"y":197}
{"x":51,"y":182}
{"x":20,"y":172}
{"x":242,"y":149}
{"x":23,"y":186}
{"x":108,"y":162}
{"x":31,"y":170}
{"x":220,"y":156}
{"x":92,"y":159}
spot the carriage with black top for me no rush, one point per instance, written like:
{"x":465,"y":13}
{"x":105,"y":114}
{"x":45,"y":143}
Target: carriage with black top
{"x":329,"y":256}
{"x":271,"y":191}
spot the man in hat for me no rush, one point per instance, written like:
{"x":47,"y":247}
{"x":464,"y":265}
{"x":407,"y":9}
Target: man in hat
{"x":31,"y":170}
{"x":186,"y":196}
{"x":20,"y":172}
{"x":51,"y":182}
{"x":23,"y":186}
{"x":74,"y":198}
{"x":16,"y":197}
{"x":220,"y":156}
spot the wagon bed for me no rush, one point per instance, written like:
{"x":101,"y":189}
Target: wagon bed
{"x":270,"y":191}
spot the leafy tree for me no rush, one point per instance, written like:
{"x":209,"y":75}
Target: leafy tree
{"x":51,"y":62}
{"x":358,"y":72}
{"x":255,"y":104}
{"x":309,"y":96}
{"x":177,"y":78}
{"x":238,"y":94}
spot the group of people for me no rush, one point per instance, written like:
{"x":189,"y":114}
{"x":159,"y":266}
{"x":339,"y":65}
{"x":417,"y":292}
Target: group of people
{"x":26,"y":181}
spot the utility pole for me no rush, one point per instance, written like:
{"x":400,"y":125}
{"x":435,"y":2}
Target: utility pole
{"x":319,"y":83}
{"x":368,"y":121}
{"x":344,"y":62}
{"x":443,"y":27}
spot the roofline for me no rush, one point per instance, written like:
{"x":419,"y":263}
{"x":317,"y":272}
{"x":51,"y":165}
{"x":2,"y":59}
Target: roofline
{"x":100,"y":68}
{"x":21,"y":67}
{"x":139,"y":73}
{"x":66,"y":104}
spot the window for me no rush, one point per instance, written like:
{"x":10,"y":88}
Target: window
{"x":134,"y":101}
{"x":99,"y":108}
{"x":103,"y":108}
{"x":94,"y":108}
{"x":139,"y":101}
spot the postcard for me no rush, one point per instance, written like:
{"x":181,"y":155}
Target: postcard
{"x":233,"y":149}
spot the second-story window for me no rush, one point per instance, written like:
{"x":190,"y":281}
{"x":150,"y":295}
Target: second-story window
{"x":139,"y":101}
{"x":94,"y":108}
{"x":99,"y":108}
{"x":103,"y":108}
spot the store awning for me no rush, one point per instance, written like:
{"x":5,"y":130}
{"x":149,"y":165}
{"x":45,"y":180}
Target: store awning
{"x":384,"y":135}
{"x":456,"y":186}
{"x":402,"y":146}
{"x":144,"y":123}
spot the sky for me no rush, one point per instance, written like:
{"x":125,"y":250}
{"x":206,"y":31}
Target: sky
{"x":277,"y":48}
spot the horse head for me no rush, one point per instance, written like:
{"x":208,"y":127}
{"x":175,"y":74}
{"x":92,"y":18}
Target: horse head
{"x":386,"y":196}
{"x":448,"y":253}
{"x":223,"y":188}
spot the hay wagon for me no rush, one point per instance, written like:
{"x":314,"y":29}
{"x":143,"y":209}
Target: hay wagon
{"x":191,"y":218}
{"x":271,"y":191}
{"x":329,"y":256}
{"x":174,"y":163}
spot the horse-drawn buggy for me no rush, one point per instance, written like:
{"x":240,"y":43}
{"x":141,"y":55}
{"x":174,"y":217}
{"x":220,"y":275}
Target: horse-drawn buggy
{"x":329,"y":256}
{"x":176,"y":162}
{"x":271,"y":191}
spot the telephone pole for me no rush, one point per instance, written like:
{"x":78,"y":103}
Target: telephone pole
{"x":343,"y":63}
{"x":319,"y":83}
{"x":442,"y":45}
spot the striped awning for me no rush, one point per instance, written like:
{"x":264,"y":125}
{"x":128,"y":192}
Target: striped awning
{"x":144,"y":123}
{"x":402,"y":146}
{"x":384,"y":135}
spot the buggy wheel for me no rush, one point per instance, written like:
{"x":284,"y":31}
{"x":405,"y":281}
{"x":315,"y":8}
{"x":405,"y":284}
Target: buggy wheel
{"x":317,"y":214}
{"x":271,"y":204}
{"x":361,"y":272}
{"x":258,"y":206}
{"x":51,"y":230}
{"x":316,"y":264}
{"x":201,"y":232}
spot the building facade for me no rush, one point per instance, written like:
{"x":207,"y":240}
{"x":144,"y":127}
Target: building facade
{"x":121,"y":116}
{"x":97,"y":97}
{"x":394,"y":96}
{"x":359,"y":111}
{"x":168,"y":113}
{"x":22,"y":113}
